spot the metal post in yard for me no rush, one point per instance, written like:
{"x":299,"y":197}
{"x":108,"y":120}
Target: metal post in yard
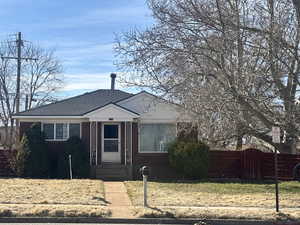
{"x":70,"y":165}
{"x":145,"y":190}
{"x":276,"y":139}
{"x":276,"y":180}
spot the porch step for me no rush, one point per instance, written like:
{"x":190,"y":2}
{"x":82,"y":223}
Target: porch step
{"x":110,"y":171}
{"x":111,"y":165}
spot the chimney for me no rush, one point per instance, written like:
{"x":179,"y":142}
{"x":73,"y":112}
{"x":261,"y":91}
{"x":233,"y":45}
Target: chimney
{"x":113,"y":78}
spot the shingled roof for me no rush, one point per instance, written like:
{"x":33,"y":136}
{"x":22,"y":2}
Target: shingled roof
{"x":78,"y":105}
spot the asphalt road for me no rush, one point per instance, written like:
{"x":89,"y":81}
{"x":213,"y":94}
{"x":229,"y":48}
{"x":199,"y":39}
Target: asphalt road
{"x":220,"y":222}
{"x":75,"y":224}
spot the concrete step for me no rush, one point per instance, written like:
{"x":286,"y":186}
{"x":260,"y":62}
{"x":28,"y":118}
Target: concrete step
{"x":111,"y":165}
{"x":111,"y":172}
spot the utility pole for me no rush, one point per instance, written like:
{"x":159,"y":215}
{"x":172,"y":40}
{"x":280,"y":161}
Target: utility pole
{"x":19,"y":62}
{"x":26,"y":102}
{"x":19,"y":59}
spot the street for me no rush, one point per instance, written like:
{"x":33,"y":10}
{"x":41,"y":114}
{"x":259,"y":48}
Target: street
{"x":220,"y":222}
{"x":72,"y":224}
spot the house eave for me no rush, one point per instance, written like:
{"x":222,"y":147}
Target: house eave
{"x":48,"y":117}
{"x":130,"y":113}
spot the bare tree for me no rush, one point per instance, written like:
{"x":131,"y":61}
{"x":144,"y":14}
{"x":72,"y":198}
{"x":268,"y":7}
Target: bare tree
{"x":233,"y":61}
{"x":40,"y":79}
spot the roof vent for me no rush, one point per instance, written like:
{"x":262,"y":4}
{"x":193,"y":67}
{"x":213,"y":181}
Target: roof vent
{"x":113,"y":78}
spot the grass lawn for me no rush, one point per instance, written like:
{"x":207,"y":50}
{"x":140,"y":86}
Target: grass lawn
{"x":165,"y":197}
{"x":29,"y":197}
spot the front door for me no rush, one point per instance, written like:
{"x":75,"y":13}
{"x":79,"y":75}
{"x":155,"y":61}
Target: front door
{"x":111,"y":142}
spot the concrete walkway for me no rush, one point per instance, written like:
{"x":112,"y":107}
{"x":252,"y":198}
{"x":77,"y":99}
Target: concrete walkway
{"x":117,"y":199}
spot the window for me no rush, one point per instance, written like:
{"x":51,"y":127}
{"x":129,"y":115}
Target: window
{"x":48,"y":130}
{"x":61,"y":131}
{"x":74,"y":129}
{"x":111,"y":138}
{"x":111,"y":131}
{"x":155,"y":137}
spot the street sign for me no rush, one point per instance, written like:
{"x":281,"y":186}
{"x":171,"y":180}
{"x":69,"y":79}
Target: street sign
{"x":276,"y":134}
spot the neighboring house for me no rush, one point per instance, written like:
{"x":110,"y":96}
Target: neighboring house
{"x":121,"y":131}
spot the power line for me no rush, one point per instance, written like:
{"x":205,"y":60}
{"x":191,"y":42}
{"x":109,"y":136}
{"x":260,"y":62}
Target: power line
{"x":19,"y":58}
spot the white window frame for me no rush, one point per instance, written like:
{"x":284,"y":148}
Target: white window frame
{"x":139,"y":137}
{"x":61,"y":122}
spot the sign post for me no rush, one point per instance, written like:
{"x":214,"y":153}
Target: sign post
{"x":145,"y":190}
{"x":70,"y":167}
{"x":276,"y":140}
{"x":145,"y":171}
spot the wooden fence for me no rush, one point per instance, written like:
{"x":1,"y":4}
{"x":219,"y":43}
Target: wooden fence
{"x":251,"y":164}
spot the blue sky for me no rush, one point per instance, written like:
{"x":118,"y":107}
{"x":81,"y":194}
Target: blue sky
{"x":81,"y":32}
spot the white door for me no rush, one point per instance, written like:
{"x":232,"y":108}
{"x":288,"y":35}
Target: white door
{"x":111,"y":136}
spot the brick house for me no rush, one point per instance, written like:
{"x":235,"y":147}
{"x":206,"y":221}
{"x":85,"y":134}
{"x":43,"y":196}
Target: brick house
{"x":121,"y":131}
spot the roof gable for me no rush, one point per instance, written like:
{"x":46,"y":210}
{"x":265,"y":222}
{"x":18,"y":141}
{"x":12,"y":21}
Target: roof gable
{"x":111,"y":112}
{"x":143,"y":102}
{"x":155,"y":109}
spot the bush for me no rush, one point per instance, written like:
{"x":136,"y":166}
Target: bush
{"x":191,"y":158}
{"x":19,"y":157}
{"x":62,"y":165}
{"x":80,"y":159}
{"x":37,"y":165}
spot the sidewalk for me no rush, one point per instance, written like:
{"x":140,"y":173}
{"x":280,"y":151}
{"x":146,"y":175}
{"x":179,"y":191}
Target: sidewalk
{"x":117,"y":199}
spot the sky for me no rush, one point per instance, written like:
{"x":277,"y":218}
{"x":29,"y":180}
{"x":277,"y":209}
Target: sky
{"x":82,"y":33}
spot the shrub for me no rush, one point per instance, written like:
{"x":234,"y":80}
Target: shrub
{"x":62,"y":165}
{"x":37,"y":165}
{"x":191,"y":158}
{"x":80,"y":159}
{"x":19,"y":157}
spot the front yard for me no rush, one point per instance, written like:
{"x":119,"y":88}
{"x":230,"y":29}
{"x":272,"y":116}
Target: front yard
{"x":86,"y":198}
{"x":165,"y":197}
{"x":41,"y":197}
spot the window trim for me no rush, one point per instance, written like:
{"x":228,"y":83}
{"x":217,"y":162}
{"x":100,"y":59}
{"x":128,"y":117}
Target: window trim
{"x":68,"y":127}
{"x":139,"y":138}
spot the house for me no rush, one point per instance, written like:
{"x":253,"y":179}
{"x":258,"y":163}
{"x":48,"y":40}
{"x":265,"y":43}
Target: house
{"x":121,"y":131}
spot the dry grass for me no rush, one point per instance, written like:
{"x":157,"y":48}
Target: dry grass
{"x":42,"y":191}
{"x":215,"y":213}
{"x":29,"y":210}
{"x":215,"y":194}
{"x":41,"y":197}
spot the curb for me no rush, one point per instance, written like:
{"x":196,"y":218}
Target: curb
{"x":139,"y":221}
